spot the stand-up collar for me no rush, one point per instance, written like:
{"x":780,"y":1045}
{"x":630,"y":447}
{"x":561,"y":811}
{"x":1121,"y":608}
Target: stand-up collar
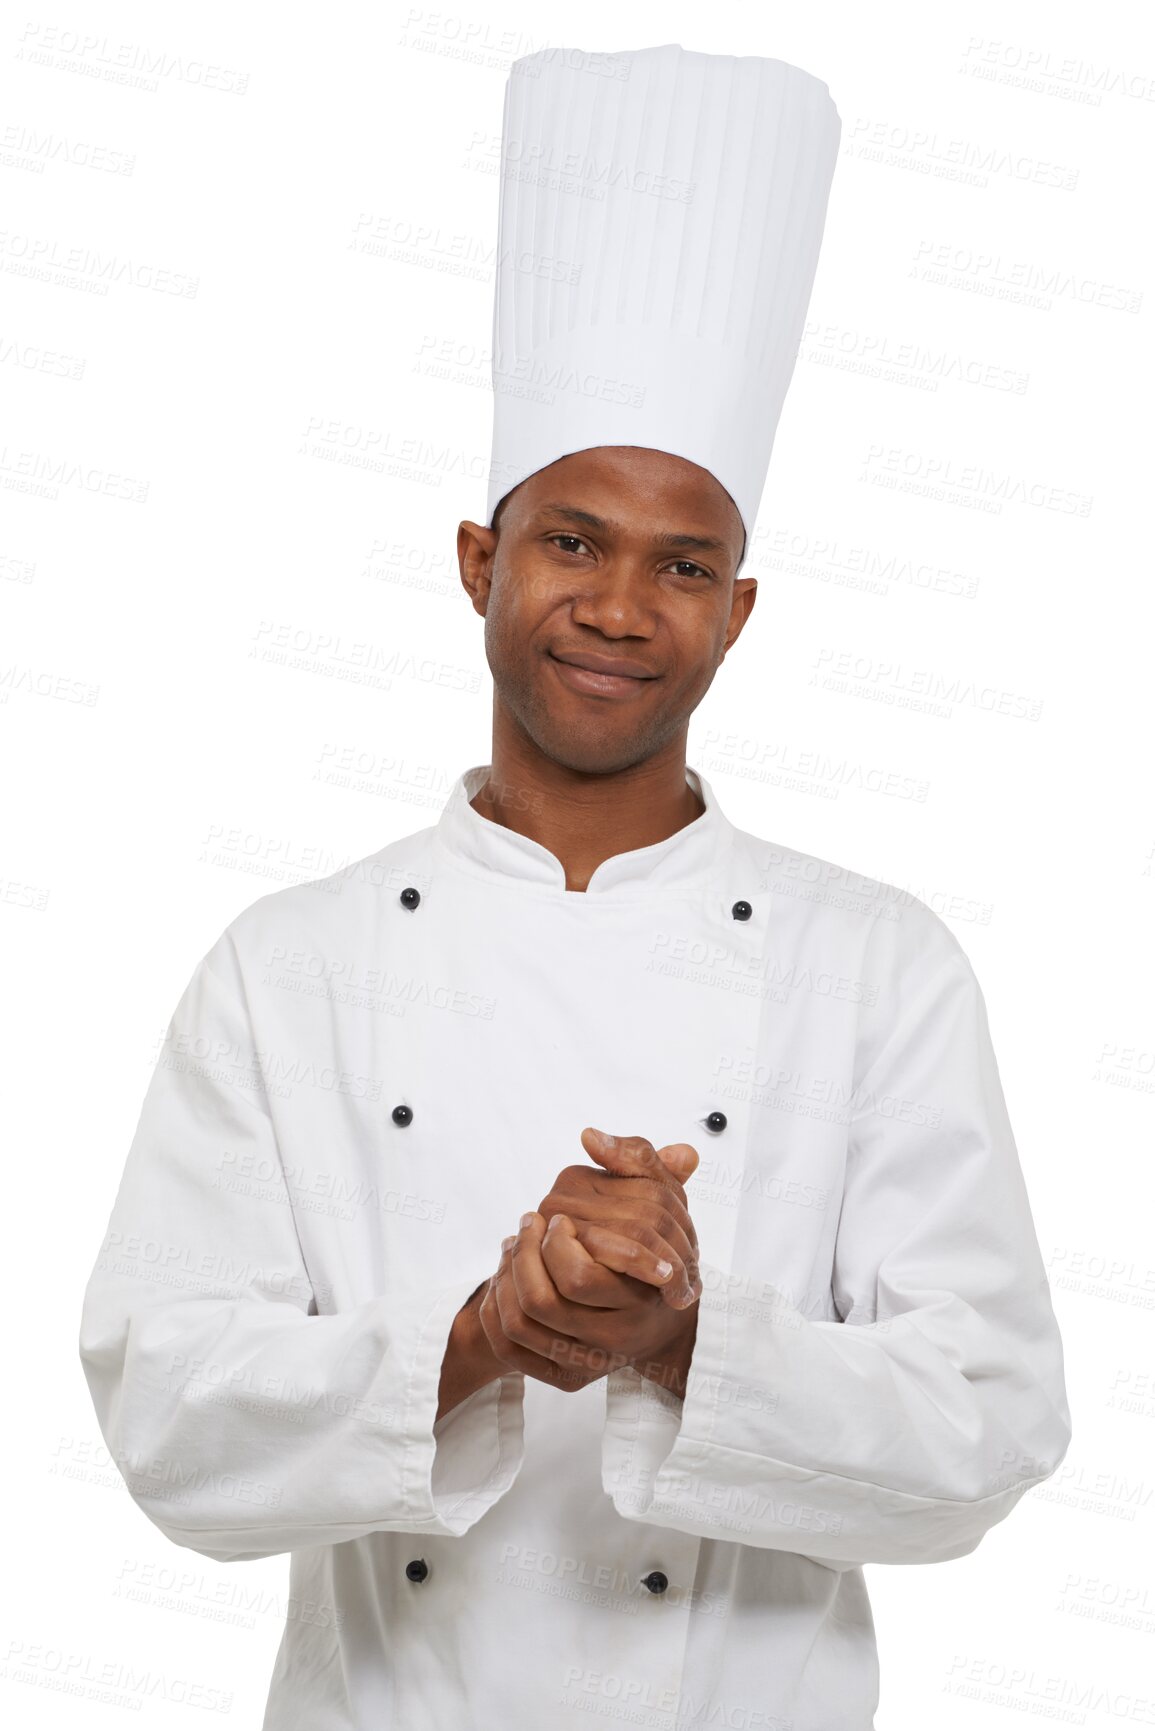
{"x":691,"y":856}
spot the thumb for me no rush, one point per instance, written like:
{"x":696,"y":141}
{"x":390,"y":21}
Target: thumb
{"x":633,"y":1156}
{"x":680,"y":1158}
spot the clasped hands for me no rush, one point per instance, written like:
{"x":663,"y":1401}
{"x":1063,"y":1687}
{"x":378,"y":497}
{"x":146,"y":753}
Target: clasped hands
{"x":603,"y":1274}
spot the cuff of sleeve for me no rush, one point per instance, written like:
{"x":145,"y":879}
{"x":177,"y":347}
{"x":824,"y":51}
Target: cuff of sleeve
{"x":458,"y":1466}
{"x":709,"y":1464}
{"x":651,"y":1438}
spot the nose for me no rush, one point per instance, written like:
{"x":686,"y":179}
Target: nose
{"x":613,"y":599}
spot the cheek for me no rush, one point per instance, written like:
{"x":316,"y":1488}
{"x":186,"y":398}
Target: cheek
{"x":513,"y":622}
{"x":541,"y":591}
{"x":524,"y":596}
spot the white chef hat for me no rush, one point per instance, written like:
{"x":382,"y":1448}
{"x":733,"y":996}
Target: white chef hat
{"x":660,"y":217}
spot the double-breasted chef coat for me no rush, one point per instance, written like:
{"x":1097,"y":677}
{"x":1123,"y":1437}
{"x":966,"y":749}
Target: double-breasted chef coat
{"x":367,"y":1081}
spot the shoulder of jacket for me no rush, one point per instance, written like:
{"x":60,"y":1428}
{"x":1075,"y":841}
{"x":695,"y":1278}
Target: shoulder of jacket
{"x":831,"y":883}
{"x":329,"y":912}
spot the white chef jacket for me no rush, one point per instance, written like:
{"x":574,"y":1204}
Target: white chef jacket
{"x":366,"y":1082}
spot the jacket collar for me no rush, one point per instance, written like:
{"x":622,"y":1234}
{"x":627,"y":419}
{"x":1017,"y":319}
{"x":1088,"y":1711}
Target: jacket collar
{"x":689,"y":858}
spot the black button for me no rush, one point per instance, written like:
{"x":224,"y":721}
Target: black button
{"x":741,"y":910}
{"x":417,"y":1569}
{"x":656,"y":1582}
{"x":402,"y":1114}
{"x":410,"y":897}
{"x":716,"y":1121}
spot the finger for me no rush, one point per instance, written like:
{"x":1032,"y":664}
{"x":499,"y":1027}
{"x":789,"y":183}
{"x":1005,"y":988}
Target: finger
{"x":645,"y":1257}
{"x":533,"y":1312}
{"x":637,"y":1156}
{"x":493,"y":1311}
{"x":623,"y":1156}
{"x":488,"y":1310}
{"x":586,"y":1192}
{"x":649,"y":1214}
{"x":583,"y":1277}
{"x":634,"y":1155}
{"x":574,"y":1326}
{"x":681,"y":1159}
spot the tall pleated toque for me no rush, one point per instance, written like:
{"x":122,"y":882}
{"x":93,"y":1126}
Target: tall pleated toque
{"x":660,"y":218}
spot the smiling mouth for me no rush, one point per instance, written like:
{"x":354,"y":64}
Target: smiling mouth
{"x":592,"y":684}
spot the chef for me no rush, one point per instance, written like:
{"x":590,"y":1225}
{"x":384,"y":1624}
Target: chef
{"x":584,"y":1234}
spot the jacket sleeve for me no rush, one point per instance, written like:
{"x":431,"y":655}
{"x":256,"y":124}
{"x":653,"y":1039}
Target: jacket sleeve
{"x":903,"y":1430}
{"x":244,"y":1422}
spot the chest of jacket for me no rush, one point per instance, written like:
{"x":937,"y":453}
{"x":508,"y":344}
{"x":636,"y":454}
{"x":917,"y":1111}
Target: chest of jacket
{"x":430,"y":1068}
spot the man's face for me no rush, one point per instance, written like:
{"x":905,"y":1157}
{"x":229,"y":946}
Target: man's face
{"x":622,"y":553}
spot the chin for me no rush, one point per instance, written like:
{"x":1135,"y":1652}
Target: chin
{"x":593,"y":756}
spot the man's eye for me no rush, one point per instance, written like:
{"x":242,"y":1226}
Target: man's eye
{"x":576,"y":540}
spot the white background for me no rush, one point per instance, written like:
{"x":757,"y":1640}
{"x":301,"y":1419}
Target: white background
{"x":246,"y":281}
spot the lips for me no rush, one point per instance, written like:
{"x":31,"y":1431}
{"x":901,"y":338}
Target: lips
{"x":606,"y":664}
{"x":593,"y":680}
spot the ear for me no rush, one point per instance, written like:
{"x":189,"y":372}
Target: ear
{"x":476,"y":546}
{"x":741,"y":606}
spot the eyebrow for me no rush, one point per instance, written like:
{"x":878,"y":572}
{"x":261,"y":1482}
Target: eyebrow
{"x":587,"y":520}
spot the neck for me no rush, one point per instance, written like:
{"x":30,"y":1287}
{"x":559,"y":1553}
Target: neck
{"x":586,"y":817}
